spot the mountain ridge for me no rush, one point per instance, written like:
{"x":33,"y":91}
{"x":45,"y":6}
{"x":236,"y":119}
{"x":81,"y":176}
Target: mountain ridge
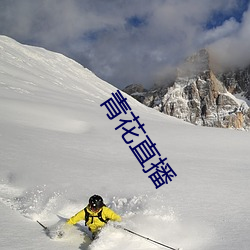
{"x":201,"y":95}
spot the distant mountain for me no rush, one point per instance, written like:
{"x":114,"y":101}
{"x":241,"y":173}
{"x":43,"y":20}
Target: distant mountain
{"x":237,"y":81}
{"x":201,"y":94}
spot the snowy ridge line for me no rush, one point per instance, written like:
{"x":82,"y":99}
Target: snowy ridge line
{"x":55,"y":71}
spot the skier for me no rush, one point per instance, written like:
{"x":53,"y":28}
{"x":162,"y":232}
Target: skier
{"x":95,"y":214}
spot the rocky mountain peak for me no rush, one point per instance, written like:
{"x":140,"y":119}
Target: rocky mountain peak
{"x":200,"y":96}
{"x":196,"y":64}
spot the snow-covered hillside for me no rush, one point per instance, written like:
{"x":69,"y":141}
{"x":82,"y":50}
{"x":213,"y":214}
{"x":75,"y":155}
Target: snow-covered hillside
{"x":58,"y":147}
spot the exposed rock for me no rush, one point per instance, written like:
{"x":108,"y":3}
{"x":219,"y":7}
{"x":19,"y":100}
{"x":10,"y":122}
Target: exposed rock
{"x":137,"y":91}
{"x":201,"y":97}
{"x":237,"y":81}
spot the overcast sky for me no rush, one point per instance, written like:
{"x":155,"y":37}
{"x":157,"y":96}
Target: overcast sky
{"x":131,"y":41}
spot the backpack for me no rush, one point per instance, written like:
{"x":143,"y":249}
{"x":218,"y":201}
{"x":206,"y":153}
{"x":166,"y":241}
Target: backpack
{"x":88,"y":216}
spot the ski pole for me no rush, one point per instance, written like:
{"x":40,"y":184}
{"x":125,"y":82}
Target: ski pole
{"x":45,"y":228}
{"x":149,"y":239}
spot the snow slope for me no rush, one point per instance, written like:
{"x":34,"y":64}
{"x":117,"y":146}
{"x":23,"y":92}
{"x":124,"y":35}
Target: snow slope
{"x":58,"y":147}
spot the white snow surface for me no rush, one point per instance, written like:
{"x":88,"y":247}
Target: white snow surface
{"x":58,"y":148}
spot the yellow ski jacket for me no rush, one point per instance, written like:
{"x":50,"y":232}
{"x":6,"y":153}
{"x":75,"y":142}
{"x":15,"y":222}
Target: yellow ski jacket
{"x":94,"y":223}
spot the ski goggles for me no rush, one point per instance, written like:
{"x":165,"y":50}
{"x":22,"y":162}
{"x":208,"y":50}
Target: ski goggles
{"x":94,"y":208}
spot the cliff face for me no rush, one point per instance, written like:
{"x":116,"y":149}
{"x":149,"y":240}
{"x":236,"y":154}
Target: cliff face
{"x":237,"y":81}
{"x":201,"y":97}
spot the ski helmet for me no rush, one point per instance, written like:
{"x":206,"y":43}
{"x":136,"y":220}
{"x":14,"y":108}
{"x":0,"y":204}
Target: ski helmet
{"x":95,"y":202}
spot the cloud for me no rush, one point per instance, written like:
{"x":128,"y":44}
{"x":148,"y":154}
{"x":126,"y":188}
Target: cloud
{"x":228,"y":28}
{"x":125,"y":42}
{"x":233,"y":49}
